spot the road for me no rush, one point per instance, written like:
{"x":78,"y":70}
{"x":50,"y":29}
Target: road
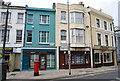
{"x":108,"y":76}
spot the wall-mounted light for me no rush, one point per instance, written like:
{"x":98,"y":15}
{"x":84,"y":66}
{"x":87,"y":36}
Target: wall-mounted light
{"x":85,"y":52}
{"x":33,"y":26}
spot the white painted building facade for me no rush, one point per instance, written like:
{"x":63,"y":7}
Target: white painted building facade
{"x":15,"y":34}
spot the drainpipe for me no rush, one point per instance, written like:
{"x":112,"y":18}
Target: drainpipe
{"x":91,"y":50}
{"x":115,"y":52}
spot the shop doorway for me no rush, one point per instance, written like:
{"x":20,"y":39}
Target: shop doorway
{"x":43,"y":62}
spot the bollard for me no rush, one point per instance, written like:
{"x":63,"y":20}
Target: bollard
{"x":36,"y":68}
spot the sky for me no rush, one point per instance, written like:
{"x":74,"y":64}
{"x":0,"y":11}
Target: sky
{"x":108,"y":6}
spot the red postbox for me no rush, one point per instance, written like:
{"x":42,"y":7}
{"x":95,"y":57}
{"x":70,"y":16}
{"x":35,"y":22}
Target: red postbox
{"x":36,"y":68}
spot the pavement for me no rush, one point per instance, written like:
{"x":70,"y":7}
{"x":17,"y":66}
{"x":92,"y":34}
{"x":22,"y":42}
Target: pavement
{"x":56,"y":74}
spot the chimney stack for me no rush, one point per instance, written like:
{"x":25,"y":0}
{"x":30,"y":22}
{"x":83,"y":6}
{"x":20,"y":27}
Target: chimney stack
{"x":81,"y":3}
{"x":100,"y":10}
{"x":54,"y":6}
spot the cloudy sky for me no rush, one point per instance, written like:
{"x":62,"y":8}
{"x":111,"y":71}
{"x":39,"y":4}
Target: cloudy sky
{"x":108,"y":6}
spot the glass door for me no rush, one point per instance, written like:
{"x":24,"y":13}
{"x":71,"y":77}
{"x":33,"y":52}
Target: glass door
{"x":43,"y":62}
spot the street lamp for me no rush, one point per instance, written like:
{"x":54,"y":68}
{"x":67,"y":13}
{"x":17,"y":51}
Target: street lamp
{"x":69,"y":53}
{"x":4,"y":64}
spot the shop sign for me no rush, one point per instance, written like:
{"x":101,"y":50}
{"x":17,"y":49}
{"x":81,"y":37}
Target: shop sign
{"x":7,"y":50}
{"x":64,"y":48}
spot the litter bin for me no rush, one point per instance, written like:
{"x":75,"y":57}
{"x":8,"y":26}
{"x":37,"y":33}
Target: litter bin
{"x":36,"y":68}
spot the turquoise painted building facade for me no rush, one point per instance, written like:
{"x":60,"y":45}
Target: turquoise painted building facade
{"x":39,"y":39}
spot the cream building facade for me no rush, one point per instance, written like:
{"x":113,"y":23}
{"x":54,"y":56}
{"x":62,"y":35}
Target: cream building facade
{"x":90,"y":46}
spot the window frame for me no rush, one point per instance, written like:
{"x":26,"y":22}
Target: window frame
{"x":7,"y":36}
{"x":63,"y":16}
{"x":63,"y":36}
{"x":47,"y":19}
{"x":105,"y":25}
{"x":98,"y":57}
{"x":29,"y":36}
{"x":106,"y":41}
{"x":98,"y":24}
{"x":75,"y":33}
{"x":18,"y":36}
{"x":73,"y":16}
{"x":100,"y":38}
{"x":30,"y":19}
{"x":20,"y":18}
{"x":106,"y":53}
{"x":3,"y":17}
{"x":47,"y":40}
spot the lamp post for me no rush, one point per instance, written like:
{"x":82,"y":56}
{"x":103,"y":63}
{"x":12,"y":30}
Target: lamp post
{"x":4,"y":65}
{"x":69,"y":53}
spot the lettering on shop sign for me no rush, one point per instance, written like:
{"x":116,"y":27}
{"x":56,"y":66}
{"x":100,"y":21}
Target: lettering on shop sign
{"x":7,"y":50}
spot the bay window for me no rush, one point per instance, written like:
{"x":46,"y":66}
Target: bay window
{"x":77,"y":36}
{"x":77,"y":17}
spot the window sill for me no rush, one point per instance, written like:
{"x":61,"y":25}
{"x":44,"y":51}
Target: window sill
{"x":18,"y":43}
{"x":28,"y":42}
{"x":97,"y":62}
{"x":30,"y":23}
{"x":108,"y":62}
{"x":63,"y":22}
{"x":44,"y":24}
{"x":43,"y":43}
{"x":20,"y":23}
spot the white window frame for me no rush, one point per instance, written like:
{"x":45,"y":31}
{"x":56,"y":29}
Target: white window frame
{"x":63,"y":41}
{"x":7,"y":36}
{"x":105,"y":40}
{"x":47,"y":20}
{"x":97,"y":37}
{"x":3,"y":17}
{"x":113,"y":40}
{"x":18,"y":36}
{"x":99,"y":23}
{"x":28,"y":18}
{"x":47,"y":37}
{"x":110,"y":57}
{"x":73,"y":36}
{"x":30,"y":36}
{"x":110,"y":27}
{"x":63,"y":18}
{"x":106,"y":25}
{"x":74,"y":18}
{"x":99,"y":52}
{"x":19,"y":18}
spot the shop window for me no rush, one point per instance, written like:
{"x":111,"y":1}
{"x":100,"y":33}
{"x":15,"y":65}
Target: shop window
{"x":97,"y":58}
{"x":50,"y":61}
{"x":75,"y":59}
{"x":107,"y":57}
{"x":32,"y":59}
